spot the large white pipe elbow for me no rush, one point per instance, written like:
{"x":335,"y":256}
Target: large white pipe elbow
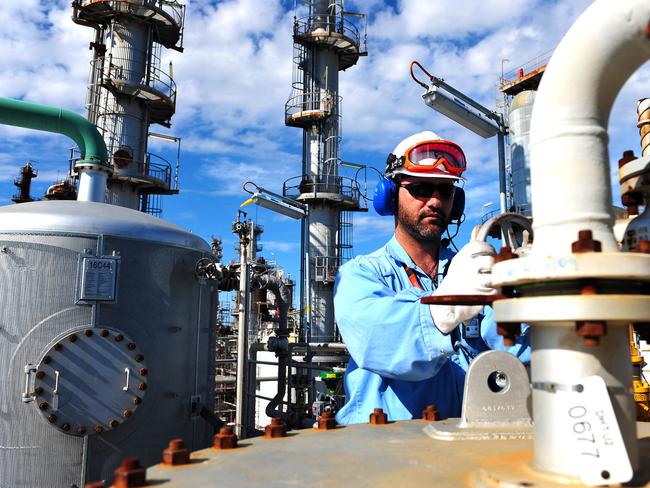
{"x":570,"y":176}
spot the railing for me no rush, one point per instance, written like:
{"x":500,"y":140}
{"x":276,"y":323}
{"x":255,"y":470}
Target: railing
{"x":527,"y":67}
{"x":341,"y":185}
{"x":320,"y":102}
{"x":159,"y":168}
{"x":172,"y":8}
{"x":157,"y":80}
{"x":325,"y":268}
{"x":341,"y":25}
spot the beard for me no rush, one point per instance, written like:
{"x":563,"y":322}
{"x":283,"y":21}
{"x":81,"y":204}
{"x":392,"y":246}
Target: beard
{"x":429,"y":230}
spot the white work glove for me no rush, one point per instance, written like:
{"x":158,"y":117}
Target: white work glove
{"x":470,"y":273}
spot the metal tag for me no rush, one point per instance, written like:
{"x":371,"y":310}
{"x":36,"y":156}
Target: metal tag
{"x":98,"y":278}
{"x":597,"y":444}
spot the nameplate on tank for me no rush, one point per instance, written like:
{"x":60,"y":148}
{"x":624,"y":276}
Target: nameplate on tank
{"x":98,"y":279}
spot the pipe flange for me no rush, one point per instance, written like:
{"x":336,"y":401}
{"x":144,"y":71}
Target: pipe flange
{"x":572,"y":308}
{"x":534,"y":268}
{"x":90,"y":381}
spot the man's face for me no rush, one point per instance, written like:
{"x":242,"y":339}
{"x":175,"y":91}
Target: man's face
{"x":424,"y":217}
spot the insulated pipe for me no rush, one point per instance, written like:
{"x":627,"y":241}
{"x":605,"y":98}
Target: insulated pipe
{"x":570,"y":182}
{"x":282,"y":295}
{"x":93,"y":165}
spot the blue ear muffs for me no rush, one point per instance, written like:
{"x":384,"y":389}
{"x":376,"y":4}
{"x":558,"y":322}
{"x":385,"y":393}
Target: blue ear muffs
{"x":385,"y":200}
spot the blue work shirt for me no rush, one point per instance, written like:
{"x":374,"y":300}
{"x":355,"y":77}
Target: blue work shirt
{"x":399,"y":360}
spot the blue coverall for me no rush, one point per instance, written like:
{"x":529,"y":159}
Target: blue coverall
{"x":399,"y":360}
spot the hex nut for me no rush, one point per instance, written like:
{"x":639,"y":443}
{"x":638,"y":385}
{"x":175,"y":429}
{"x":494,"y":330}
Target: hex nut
{"x":104,"y":333}
{"x":98,"y":429}
{"x":176,"y":454}
{"x":225,"y":439}
{"x":51,"y":418}
{"x":277,"y":428}
{"x":40,"y":374}
{"x":81,"y":430}
{"x":130,"y":474}
{"x":43,"y":405}
{"x":65,"y":426}
{"x":72,"y":337}
{"x":119,"y":337}
{"x":326,"y":421}
{"x":431,"y":413}
{"x":378,"y":417}
{"x":586,"y":243}
{"x":130,"y":346}
{"x":137,"y":401}
{"x":142,"y":386}
{"x":139,"y":358}
{"x":144,"y":371}
{"x":58,"y":346}
{"x":88,"y":333}
{"x":38,"y":390}
{"x":113,"y":423}
{"x":47,"y":359}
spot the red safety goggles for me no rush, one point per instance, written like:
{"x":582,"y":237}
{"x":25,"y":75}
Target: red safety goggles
{"x":429,"y":156}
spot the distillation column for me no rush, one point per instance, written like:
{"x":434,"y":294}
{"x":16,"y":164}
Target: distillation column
{"x":128,"y":91}
{"x":324,"y":43}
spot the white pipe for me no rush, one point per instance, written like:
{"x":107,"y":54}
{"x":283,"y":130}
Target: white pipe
{"x":570,"y":182}
{"x":92,"y":185}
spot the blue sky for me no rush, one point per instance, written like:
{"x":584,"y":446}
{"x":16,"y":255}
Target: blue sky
{"x":235,"y":77}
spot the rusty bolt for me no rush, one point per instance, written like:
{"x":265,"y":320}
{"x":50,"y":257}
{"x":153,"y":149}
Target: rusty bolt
{"x":505,"y":254}
{"x":81,"y":430}
{"x":276,"y":428}
{"x":130,"y":346}
{"x":139,"y":358}
{"x":591,"y":331}
{"x":38,"y":390}
{"x":95,"y":484}
{"x":40,"y":374}
{"x":72,"y":337}
{"x":47,"y":359}
{"x":143,"y":371}
{"x":58,"y":346}
{"x":142,"y":386}
{"x":509,"y":331}
{"x":643,"y":247}
{"x":585,"y":243}
{"x":430,"y":413}
{"x":127,"y":413}
{"x":65,"y":426}
{"x":137,"y":401}
{"x":378,"y":417}
{"x":326,"y":421}
{"x":627,"y":157}
{"x":119,"y":337}
{"x":98,"y":429}
{"x":130,"y":474}
{"x":104,"y":333}
{"x":176,"y":454}
{"x":51,"y":418}
{"x":88,"y":333}
{"x":43,"y":405}
{"x":113,"y":423}
{"x":225,"y":439}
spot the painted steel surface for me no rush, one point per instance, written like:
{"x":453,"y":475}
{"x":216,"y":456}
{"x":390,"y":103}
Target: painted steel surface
{"x":396,"y":454}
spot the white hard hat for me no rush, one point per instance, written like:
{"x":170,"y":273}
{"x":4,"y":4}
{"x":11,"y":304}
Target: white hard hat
{"x":422,"y":155}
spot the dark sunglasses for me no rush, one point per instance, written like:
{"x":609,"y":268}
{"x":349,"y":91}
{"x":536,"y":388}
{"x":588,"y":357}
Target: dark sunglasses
{"x":428,"y":190}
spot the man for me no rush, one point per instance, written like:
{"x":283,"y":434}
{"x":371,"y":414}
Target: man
{"x":406,"y":355}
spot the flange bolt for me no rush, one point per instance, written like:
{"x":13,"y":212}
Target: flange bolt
{"x":277,"y":428}
{"x":378,"y":417}
{"x":225,"y":439}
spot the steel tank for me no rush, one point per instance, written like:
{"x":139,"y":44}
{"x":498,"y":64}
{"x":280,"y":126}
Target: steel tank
{"x":106,"y":341}
{"x":521,"y":111}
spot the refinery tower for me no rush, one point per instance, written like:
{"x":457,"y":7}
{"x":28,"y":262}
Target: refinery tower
{"x":128,"y":91}
{"x":327,"y":41}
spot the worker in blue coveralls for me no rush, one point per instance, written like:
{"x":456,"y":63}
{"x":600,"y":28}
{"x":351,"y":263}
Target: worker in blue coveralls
{"x":405,"y":355}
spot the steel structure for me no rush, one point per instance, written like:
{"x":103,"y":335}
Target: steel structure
{"x":128,"y":91}
{"x":325,"y":42}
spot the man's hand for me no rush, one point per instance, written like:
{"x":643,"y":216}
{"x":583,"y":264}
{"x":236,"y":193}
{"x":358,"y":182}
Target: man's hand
{"x":470,"y":273}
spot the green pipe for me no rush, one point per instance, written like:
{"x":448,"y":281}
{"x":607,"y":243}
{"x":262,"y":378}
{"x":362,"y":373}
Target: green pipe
{"x":60,"y":121}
